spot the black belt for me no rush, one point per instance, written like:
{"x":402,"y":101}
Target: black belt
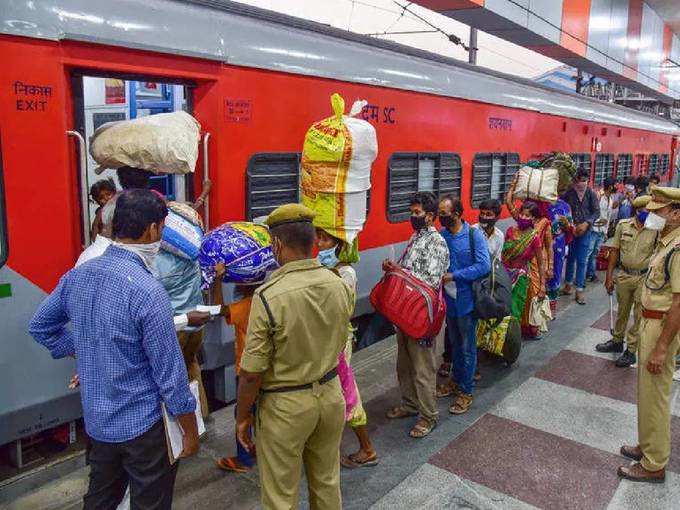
{"x":284,"y":389}
{"x":634,"y":272}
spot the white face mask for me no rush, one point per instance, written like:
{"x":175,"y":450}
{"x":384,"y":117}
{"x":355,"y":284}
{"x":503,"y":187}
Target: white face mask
{"x":655,"y":222}
{"x":146,"y":252}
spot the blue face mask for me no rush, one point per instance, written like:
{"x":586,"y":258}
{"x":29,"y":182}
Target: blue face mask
{"x":328,"y":257}
{"x":642,"y":216}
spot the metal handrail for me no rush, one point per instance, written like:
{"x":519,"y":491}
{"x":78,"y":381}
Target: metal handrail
{"x":84,"y":197}
{"x":206,"y":176}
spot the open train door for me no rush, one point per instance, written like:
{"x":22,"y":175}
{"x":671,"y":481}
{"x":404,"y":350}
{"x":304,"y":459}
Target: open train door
{"x":100,"y":98}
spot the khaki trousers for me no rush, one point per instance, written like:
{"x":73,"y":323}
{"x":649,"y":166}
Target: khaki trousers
{"x":654,"y":395}
{"x":417,"y":375}
{"x":296,"y":429}
{"x":628,"y":292}
{"x":190,"y":342}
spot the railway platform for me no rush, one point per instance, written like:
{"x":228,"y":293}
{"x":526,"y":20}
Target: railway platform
{"x":542,"y":434}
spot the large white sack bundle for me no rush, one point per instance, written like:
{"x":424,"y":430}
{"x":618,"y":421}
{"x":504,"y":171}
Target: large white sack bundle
{"x":537,"y":183}
{"x":337,"y":156}
{"x":165,"y":143}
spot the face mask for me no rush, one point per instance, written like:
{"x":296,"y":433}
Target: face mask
{"x":655,"y":222}
{"x":146,"y":252}
{"x":642,"y":216}
{"x":418,"y":222}
{"x":328,"y":257}
{"x":447,"y":221}
{"x":487,"y":223}
{"x":524,"y":223}
{"x":630,"y":188}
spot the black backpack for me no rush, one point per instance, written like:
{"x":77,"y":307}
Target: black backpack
{"x":492,"y":294}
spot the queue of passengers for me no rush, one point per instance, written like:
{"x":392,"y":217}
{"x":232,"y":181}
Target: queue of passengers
{"x":123,"y":302}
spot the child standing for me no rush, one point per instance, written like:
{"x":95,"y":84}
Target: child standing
{"x":100,"y":192}
{"x":235,"y":314}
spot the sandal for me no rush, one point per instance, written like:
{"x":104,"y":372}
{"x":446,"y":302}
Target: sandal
{"x":444,"y":369}
{"x":353,"y":461}
{"x":461,"y":404}
{"x":446,"y":390}
{"x":579,"y":299}
{"x":400,"y":412}
{"x":566,"y":291}
{"x":231,"y":464}
{"x":419,"y":430}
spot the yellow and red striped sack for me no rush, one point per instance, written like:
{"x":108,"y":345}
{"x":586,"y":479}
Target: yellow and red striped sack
{"x":336,"y":170}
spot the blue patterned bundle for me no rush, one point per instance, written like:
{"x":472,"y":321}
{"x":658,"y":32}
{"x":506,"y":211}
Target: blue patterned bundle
{"x":244,"y":249}
{"x":181,"y":237}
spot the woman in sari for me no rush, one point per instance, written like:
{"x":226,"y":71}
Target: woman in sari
{"x":527,"y":256}
{"x":339,"y":255}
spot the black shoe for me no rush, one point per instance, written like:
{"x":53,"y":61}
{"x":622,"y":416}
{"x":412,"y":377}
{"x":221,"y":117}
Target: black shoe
{"x":609,"y":346}
{"x":627,"y":359}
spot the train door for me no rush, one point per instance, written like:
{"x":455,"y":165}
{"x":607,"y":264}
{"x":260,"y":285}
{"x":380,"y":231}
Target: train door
{"x":101,"y":99}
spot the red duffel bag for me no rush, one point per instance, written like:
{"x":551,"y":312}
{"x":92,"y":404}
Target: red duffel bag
{"x":409,"y":303}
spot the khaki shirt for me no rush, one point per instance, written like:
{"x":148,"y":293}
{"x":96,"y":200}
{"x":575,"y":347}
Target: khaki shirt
{"x":635,"y":246}
{"x":311,"y":307}
{"x":657,"y":293}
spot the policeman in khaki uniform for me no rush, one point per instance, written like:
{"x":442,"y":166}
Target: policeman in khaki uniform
{"x":659,"y":342}
{"x":297,"y":328}
{"x":632,"y":246}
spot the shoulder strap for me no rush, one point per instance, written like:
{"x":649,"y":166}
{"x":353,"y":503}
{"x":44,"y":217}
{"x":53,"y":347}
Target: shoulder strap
{"x":667,"y":264}
{"x":268,"y":310}
{"x":472,"y":244}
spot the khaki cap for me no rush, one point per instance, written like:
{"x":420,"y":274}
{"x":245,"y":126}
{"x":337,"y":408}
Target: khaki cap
{"x":290,"y":213}
{"x":663,"y":196}
{"x":641,"y":201}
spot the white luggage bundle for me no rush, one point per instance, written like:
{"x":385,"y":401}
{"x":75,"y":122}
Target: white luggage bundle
{"x":537,"y":184}
{"x":166,"y":143}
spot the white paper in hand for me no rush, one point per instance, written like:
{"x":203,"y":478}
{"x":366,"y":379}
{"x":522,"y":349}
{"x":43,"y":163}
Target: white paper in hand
{"x":173,"y":430}
{"x":211,"y":309}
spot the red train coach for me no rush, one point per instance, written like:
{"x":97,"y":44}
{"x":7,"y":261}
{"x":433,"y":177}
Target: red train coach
{"x":255,"y":80}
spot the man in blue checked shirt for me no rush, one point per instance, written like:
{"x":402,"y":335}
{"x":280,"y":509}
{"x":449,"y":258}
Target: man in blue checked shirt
{"x":128,"y":358}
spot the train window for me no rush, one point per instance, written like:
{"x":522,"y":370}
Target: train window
{"x":492,"y":174}
{"x":410,"y":172}
{"x":640,"y":164}
{"x":664,"y":163}
{"x":653,"y":164}
{"x":3,"y":217}
{"x":272,"y":179}
{"x":604,"y":167}
{"x":624,"y":166}
{"x":582,"y":160}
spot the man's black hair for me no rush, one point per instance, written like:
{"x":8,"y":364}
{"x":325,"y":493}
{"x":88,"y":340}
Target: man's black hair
{"x":492,"y":205}
{"x":642,"y":182}
{"x":609,"y":182}
{"x":531,"y":208}
{"x":136,"y":209}
{"x":133,"y":178}
{"x":426,"y":200}
{"x":102,"y":185}
{"x":629,"y":180}
{"x":654,"y":177}
{"x":456,"y":204}
{"x":582,"y":174}
{"x":299,"y":235}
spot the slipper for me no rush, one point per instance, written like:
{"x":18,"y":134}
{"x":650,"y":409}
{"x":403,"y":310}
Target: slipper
{"x":351,"y":462}
{"x":580,"y":300}
{"x":420,"y":431}
{"x":399,"y":412}
{"x":231,"y":464}
{"x":444,"y":369}
{"x":446,"y":390}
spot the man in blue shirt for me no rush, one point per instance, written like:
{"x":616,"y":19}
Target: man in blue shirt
{"x":128,"y":359}
{"x":465,"y":267}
